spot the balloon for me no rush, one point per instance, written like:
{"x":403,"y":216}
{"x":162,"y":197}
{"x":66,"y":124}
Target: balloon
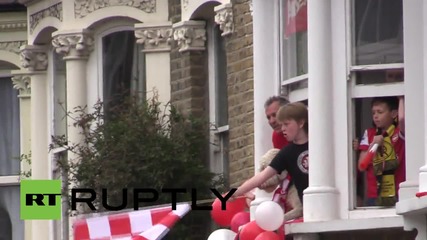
{"x":222,"y":234}
{"x":268,"y":236}
{"x":239,"y":219}
{"x":250,"y":231}
{"x":269,"y":216}
{"x":223,"y":217}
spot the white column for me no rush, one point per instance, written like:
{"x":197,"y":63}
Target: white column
{"x":22,"y":81}
{"x":266,"y":71}
{"x":423,"y":169}
{"x":414,"y":72}
{"x":34,"y":58}
{"x":321,"y":197}
{"x":266,"y":80}
{"x":156,"y":39}
{"x":76,"y":47}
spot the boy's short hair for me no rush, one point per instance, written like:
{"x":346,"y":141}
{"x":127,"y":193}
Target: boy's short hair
{"x":296,"y":111}
{"x":391,"y":102}
{"x":282,"y":101}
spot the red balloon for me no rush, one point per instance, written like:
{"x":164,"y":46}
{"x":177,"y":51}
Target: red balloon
{"x":250,"y":231}
{"x":223,"y":217}
{"x":239,"y":219}
{"x":268,"y":236}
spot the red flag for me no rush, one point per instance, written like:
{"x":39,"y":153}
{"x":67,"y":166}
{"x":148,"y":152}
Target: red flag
{"x":295,"y":16}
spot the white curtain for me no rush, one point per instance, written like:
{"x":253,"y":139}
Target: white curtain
{"x":11,"y":227}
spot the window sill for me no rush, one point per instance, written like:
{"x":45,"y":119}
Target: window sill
{"x":58,"y":150}
{"x":412,"y":206}
{"x":9,"y":180}
{"x":344,"y":225}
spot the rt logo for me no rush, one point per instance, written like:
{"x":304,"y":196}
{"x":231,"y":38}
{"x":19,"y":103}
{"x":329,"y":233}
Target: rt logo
{"x":40,"y":199}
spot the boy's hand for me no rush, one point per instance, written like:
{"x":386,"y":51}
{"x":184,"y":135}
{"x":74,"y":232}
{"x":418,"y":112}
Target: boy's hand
{"x":379,"y":139}
{"x":356,"y":144}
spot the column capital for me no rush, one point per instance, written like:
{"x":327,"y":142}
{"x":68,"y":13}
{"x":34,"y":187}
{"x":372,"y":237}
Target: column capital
{"x":73,"y":44}
{"x":154,"y":37}
{"x":224,"y":18}
{"x":33,"y":57}
{"x":22,"y":81}
{"x":190,"y":35}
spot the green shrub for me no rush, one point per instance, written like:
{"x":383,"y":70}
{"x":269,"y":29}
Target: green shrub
{"x":139,"y":144}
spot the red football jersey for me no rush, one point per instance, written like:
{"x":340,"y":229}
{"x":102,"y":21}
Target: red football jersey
{"x":398,"y":141}
{"x":279,"y":140}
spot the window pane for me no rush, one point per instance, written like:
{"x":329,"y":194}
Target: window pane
{"x":221,"y":78}
{"x":9,"y":129}
{"x":380,"y":76}
{"x":294,"y":36}
{"x":11,"y":226}
{"x":123,"y":66}
{"x":378,"y":32}
{"x":60,"y":96}
{"x":367,"y":181}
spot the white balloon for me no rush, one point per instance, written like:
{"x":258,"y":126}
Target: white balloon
{"x":269,"y":216}
{"x":222,"y":234}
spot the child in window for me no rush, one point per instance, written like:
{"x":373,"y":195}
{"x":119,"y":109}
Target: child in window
{"x":387,"y":169}
{"x":292,"y":158}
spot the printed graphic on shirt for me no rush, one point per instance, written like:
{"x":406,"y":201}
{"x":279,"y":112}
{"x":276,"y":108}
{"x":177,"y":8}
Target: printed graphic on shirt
{"x":395,"y":138}
{"x":302,"y":161}
{"x":384,"y":153}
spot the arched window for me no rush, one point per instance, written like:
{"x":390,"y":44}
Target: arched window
{"x":122,"y":67}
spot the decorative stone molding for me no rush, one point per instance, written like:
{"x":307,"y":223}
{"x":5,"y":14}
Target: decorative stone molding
{"x":12,"y":46}
{"x":73,"y":44}
{"x":190,"y":35}
{"x":224,"y":18}
{"x":13,"y":26}
{"x":155,"y":38}
{"x":185,"y":4}
{"x":33,"y":58}
{"x":22,"y":82}
{"x":52,"y":11}
{"x":83,"y":8}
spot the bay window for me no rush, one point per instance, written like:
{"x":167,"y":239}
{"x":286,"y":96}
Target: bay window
{"x":366,"y":61}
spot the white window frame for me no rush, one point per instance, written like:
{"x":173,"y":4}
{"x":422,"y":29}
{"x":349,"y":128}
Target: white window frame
{"x":52,"y":95}
{"x":364,"y":91}
{"x":217,"y":144}
{"x":298,"y":94}
{"x":98,"y":48}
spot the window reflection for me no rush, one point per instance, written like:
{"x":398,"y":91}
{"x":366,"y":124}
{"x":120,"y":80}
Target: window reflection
{"x":378,"y":32}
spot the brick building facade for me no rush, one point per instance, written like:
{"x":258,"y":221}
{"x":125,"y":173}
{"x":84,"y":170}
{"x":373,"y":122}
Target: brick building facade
{"x":190,"y":83}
